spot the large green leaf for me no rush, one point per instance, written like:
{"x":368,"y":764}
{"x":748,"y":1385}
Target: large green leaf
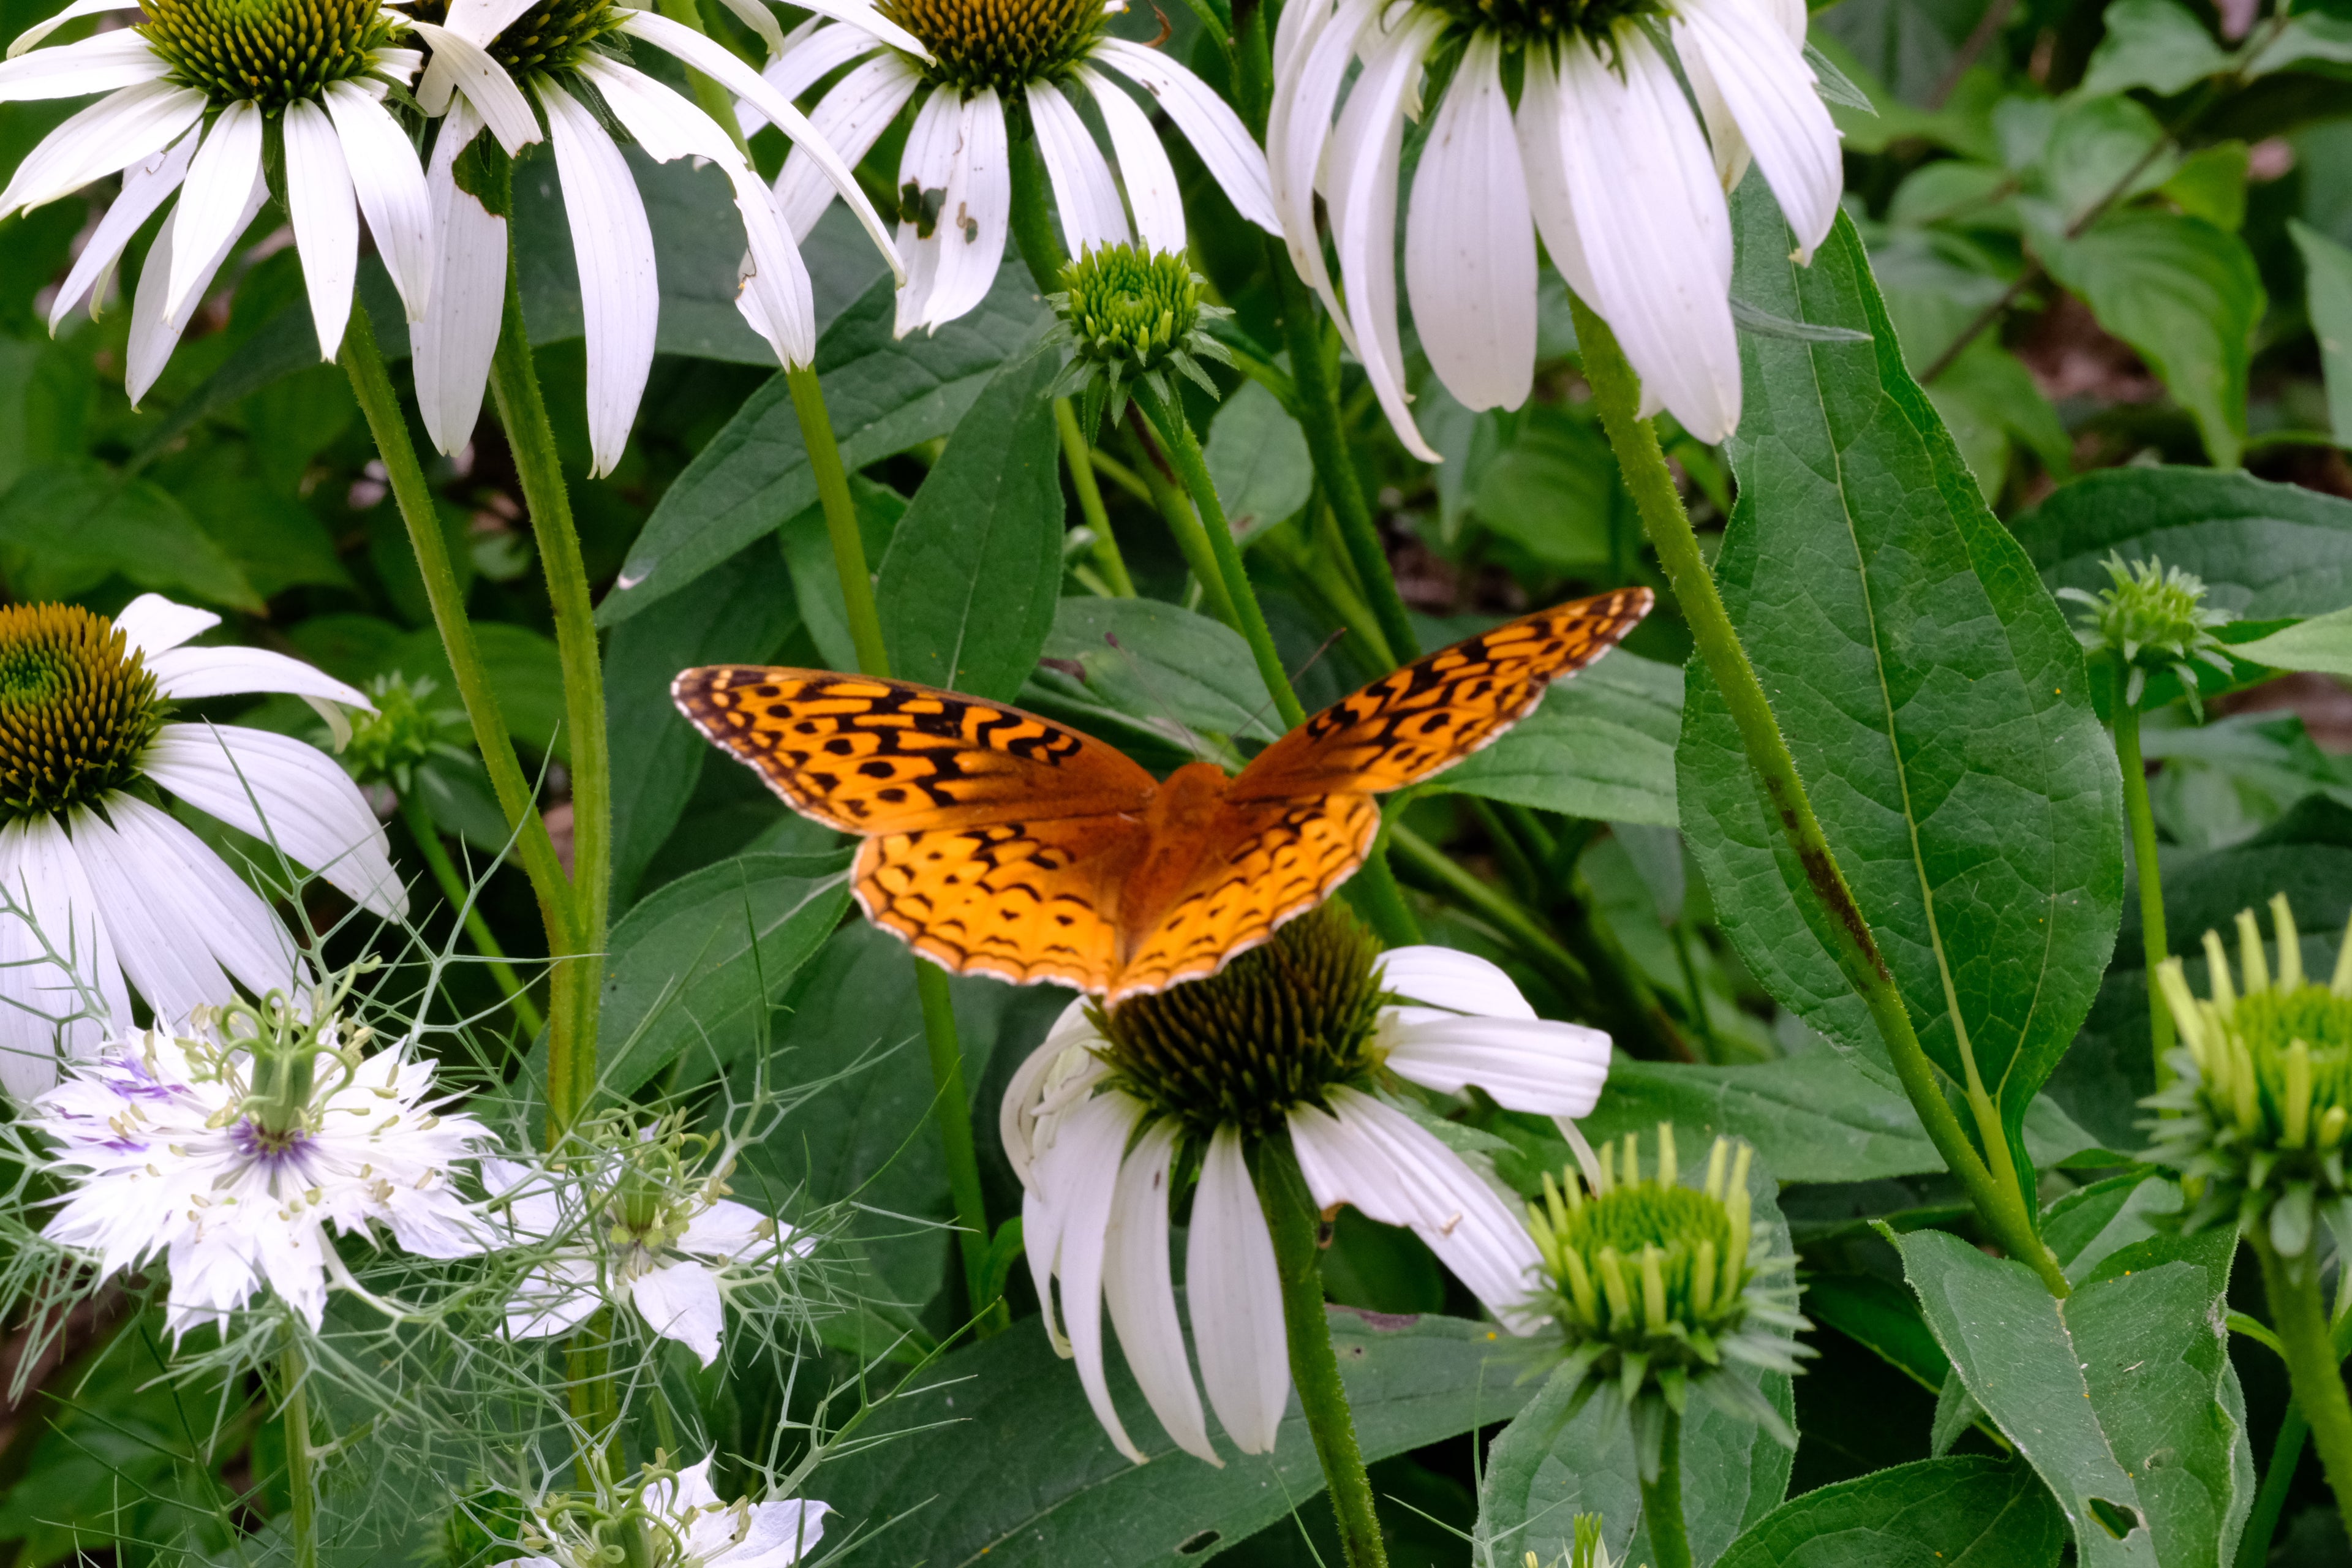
{"x":2121,"y":1396}
{"x":66,"y":528}
{"x":967,"y":592}
{"x":1931,"y":693}
{"x":2153,"y":44}
{"x":2267,"y":552}
{"x":2327,"y":294}
{"x":1965,"y":1513}
{"x":1601,"y":747}
{"x":1258,"y":460}
{"x":999,"y":1464}
{"x":884,"y":397}
{"x":1159,"y":663}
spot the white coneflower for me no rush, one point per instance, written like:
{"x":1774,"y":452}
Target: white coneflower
{"x":98,"y":884}
{"x":980,"y":61}
{"x":1602,"y":156}
{"x":193,"y":93}
{"x":491,"y":61}
{"x":681,"y":1522}
{"x":227,"y":1144}
{"x":1291,"y":1040}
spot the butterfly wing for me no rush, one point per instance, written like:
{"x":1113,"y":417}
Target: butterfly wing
{"x":1023,"y":901}
{"x":872,"y":756}
{"x":1423,"y":718}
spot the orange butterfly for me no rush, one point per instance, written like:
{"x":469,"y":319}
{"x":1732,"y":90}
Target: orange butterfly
{"x":1001,"y":843}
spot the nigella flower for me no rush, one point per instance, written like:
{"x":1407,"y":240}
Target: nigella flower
{"x":493,"y":61}
{"x":1602,"y":156}
{"x":1293,"y":1040}
{"x":682,"y":1522}
{"x":229,"y":1144}
{"x":194,"y":93}
{"x":975,"y":64}
{"x":97,"y":885}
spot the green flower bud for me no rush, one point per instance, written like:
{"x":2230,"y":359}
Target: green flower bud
{"x":1130,"y":315}
{"x":2153,"y":618}
{"x":406,"y":730}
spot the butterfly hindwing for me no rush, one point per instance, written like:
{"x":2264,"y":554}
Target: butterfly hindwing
{"x":867,"y":756}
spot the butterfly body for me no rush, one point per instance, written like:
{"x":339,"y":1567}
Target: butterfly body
{"x":999,"y":842}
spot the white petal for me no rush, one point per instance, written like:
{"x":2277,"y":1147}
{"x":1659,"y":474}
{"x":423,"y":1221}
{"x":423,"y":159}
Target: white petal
{"x":390,"y":184}
{"x":154,"y":330}
{"x":121,"y":58}
{"x":146,"y":186}
{"x":978,"y":215}
{"x":1535,"y":1065}
{"x":152,"y":624}
{"x":858,"y":14}
{"x":1540,"y":124}
{"x":619,"y":299}
{"x":554,"y":1298}
{"x":74,"y":12}
{"x":1142,"y":1296}
{"x":187,"y":673}
{"x":813,"y":51}
{"x":211,"y":199}
{"x":756,"y":16}
{"x":1081,"y":1174}
{"x":1767,"y":86}
{"x":482,"y":21}
{"x":1208,"y":123}
{"x":1297,"y":130}
{"x":285,"y":792}
{"x":1448,"y":977}
{"x":925,"y":165}
{"x":1730,"y":148}
{"x":459,"y":335}
{"x":1084,"y":192}
{"x":681,"y":1302}
{"x":460,"y":64}
{"x":1143,"y":166}
{"x":780,"y":1534}
{"x":1017,"y":1117}
{"x":1297,"y":28}
{"x":325,"y":217}
{"x":849,"y":118}
{"x":42,"y":879}
{"x":1235,"y":1296}
{"x":118,"y":131}
{"x":728,"y":1231}
{"x":161,"y":891}
{"x":1470,"y":241}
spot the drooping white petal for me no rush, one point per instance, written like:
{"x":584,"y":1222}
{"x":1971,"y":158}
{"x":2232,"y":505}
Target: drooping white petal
{"x":211,"y":200}
{"x":813,"y":51}
{"x":1235,"y":1297}
{"x":1296,"y":30}
{"x":152,"y":624}
{"x":154,"y":330}
{"x":73,"y":13}
{"x":1380,"y":1160}
{"x":1208,"y":123}
{"x":325,"y":217}
{"x":454,"y":342}
{"x":728,"y":1231}
{"x":390,"y":184}
{"x":1143,"y":166}
{"x":1077,"y":1180}
{"x":118,"y":131}
{"x":977,"y":216}
{"x":481,"y":21}
{"x":680,"y":1303}
{"x":1470,"y":241}
{"x":102,"y":64}
{"x":1526,"y":1064}
{"x":188,"y":673}
{"x":1056,"y":1075}
{"x":44,"y":884}
{"x":1723,"y":137}
{"x":861,"y":14}
{"x":146,"y":186}
{"x":620,"y":301}
{"x":1768,"y":90}
{"x":1083,"y":193}
{"x":924,"y":164}
{"x":849,"y":118}
{"x":1299,"y":128}
{"x":1142,"y":1295}
{"x":1448,"y":977}
{"x":1540,"y":124}
{"x":462,"y":66}
{"x":554,"y":1298}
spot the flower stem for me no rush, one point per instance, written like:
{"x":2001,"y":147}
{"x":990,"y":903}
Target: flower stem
{"x":1990,"y":1177}
{"x":514,"y":383}
{"x":2300,"y":1319}
{"x":1078,"y":453}
{"x":1295,"y":1225}
{"x":452,"y":888}
{"x":1662,"y":1500}
{"x":1191,"y":539}
{"x":2286,"y":1455}
{"x":2155,"y":947}
{"x":930,"y":983}
{"x":302,"y":1515}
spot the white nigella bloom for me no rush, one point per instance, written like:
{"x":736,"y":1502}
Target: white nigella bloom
{"x":195,"y":93}
{"x":229,"y":1144}
{"x":1603,"y":157}
{"x":641,"y":1229}
{"x":1290,"y":1041}
{"x":97,"y":885}
{"x":684,"y":1525}
{"x":975,"y":63}
{"x":491,"y":61}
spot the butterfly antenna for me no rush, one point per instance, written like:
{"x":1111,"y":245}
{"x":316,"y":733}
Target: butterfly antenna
{"x":1297,"y":675}
{"x":1167,"y":709}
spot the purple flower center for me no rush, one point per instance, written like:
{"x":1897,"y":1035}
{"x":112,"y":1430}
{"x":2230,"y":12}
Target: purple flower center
{"x":274,"y":1151}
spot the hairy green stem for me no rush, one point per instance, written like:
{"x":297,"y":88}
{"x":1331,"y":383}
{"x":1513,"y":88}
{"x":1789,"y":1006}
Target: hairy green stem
{"x":2155,"y":946}
{"x":301,"y":1484}
{"x":2286,"y":1454}
{"x":2314,"y":1368}
{"x":1662,"y":1500}
{"x":1990,"y":1176}
{"x":461,"y":898}
{"x":1077,"y":454}
{"x":1191,"y":539}
{"x":1295,"y":1225}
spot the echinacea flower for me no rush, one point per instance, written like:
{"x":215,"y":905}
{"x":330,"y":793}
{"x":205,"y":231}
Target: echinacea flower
{"x":493,"y":61}
{"x":977,"y":64}
{"x":1602,"y":156}
{"x":229,"y":1142}
{"x":682,"y":1523}
{"x":97,"y":885}
{"x":194,"y":93}
{"x":1292,"y":1041}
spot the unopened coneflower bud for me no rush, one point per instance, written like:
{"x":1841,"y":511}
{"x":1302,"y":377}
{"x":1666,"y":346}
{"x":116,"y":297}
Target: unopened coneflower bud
{"x":1130,"y":317}
{"x":2152,"y":617}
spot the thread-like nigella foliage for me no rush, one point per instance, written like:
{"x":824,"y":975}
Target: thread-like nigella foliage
{"x":266,"y":52}
{"x":1278,"y":1028}
{"x":1524,"y":22}
{"x":76,"y":708}
{"x":553,"y":35}
{"x":1003,"y":44}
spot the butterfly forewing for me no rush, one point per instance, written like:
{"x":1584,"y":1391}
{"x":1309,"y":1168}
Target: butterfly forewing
{"x":1022,"y":902}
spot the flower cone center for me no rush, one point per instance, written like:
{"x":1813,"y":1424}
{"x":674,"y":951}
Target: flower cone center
{"x":267,"y":52}
{"x":77,"y":708}
{"x":1130,"y":306}
{"x":553,"y":36}
{"x":1522,"y":22}
{"x":1003,"y":44}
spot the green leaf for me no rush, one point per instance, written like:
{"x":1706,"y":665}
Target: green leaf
{"x":2211,"y":184}
{"x":2074,"y":153}
{"x":1259,"y":459}
{"x":2323,"y":643}
{"x":2185,"y":294}
{"x":2327,"y":294}
{"x":1932,"y":696}
{"x":276,"y":540}
{"x":1554,"y":489}
{"x":2153,"y":44}
{"x":2122,"y":1396}
{"x":1168,"y":665}
{"x":701,"y":960}
{"x":998,"y":1463}
{"x":884,"y":397}
{"x":1881,"y":1315}
{"x":967,"y":592}
{"x":1966,"y":1513}
{"x":1600,"y":746}
{"x":66,"y":528}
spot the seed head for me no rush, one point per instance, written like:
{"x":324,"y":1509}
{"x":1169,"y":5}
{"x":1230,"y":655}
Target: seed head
{"x":270,"y":53}
{"x":77,"y":708}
